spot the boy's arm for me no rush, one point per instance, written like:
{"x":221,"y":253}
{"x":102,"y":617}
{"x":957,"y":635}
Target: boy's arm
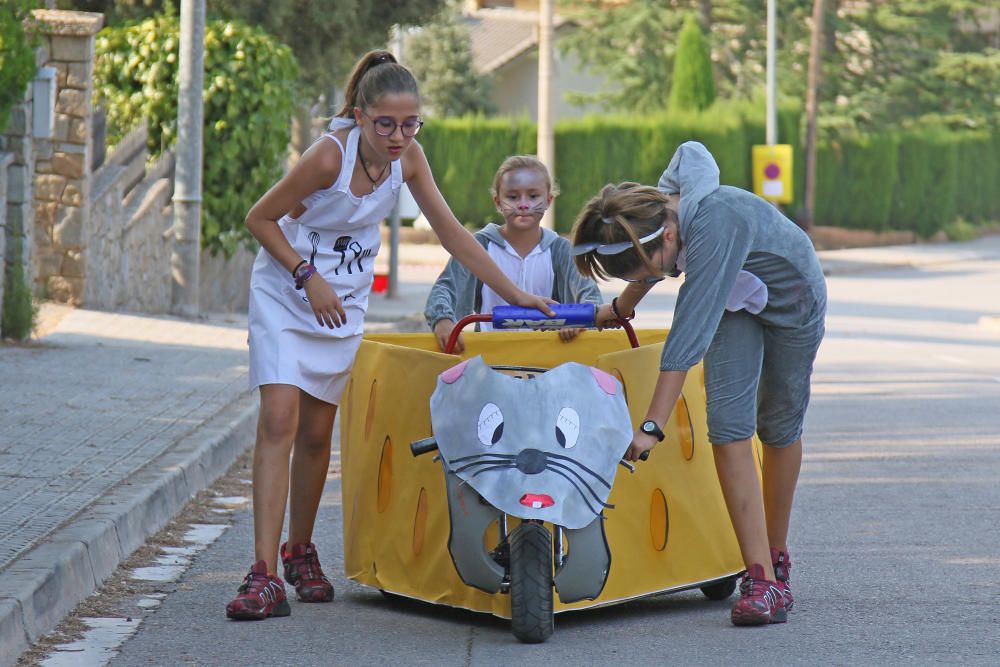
{"x":442,"y":302}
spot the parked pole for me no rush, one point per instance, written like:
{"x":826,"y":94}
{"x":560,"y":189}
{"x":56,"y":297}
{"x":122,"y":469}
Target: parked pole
{"x":772,"y":125}
{"x":186,"y":255}
{"x":392,"y":291}
{"x":546,"y":136}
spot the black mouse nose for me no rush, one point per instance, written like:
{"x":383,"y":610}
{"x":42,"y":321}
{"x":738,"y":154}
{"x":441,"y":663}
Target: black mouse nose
{"x":531,"y":461}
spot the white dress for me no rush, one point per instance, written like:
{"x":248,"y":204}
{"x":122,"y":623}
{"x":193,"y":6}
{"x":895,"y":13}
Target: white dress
{"x":338,"y":233}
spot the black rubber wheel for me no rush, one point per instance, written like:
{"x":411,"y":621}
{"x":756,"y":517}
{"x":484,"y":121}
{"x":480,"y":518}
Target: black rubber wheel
{"x":532,"y":619}
{"x":720,"y":590}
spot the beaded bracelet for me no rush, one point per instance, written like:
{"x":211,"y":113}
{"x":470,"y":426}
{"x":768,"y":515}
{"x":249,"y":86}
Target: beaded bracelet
{"x":614,"y":309}
{"x":303,"y":275}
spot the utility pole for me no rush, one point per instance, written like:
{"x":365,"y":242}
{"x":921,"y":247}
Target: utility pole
{"x":392,"y":291}
{"x":771,"y":123}
{"x":546,"y":135}
{"x":812,"y":110}
{"x":186,"y":256}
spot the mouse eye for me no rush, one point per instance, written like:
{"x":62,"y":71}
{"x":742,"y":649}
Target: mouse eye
{"x":567,"y":427}
{"x":490,"y":425}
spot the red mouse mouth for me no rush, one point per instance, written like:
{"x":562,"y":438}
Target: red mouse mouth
{"x":537,"y":500}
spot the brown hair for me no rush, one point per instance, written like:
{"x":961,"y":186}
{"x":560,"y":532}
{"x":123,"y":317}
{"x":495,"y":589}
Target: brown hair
{"x":522,"y":162}
{"x":377,"y":73}
{"x":631,"y":211}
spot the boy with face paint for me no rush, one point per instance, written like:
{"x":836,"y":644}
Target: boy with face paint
{"x":537,"y":260}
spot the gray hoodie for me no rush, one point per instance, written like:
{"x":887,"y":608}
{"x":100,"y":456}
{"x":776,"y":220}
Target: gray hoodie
{"x":725,"y":230}
{"x":458,"y":293}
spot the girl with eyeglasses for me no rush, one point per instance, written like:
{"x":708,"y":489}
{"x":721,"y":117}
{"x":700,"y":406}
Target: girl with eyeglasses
{"x":752,"y":305}
{"x":319,"y":233}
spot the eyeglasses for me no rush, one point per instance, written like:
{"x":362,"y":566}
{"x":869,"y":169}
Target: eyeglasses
{"x":385,"y":126}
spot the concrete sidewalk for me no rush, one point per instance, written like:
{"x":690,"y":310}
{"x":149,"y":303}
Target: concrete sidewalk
{"x":110,"y":423}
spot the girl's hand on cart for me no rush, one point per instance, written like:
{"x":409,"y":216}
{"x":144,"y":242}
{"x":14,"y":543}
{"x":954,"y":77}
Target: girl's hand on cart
{"x":606,"y":318}
{"x":638,"y":449}
{"x":326,"y":305}
{"x":566,"y":335}
{"x":541,"y":303}
{"x":442,"y":331}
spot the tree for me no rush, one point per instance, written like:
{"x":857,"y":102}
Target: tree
{"x":634,"y":45}
{"x":902,"y":59}
{"x":816,"y":51}
{"x":326,"y":36}
{"x":440,"y":56}
{"x":693,"y":86}
{"x":17,"y":56}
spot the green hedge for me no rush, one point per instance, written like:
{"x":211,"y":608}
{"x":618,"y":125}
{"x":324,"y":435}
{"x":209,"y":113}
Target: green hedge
{"x":920,"y":179}
{"x":248,"y":99}
{"x":924,"y":197}
{"x":591,"y":152}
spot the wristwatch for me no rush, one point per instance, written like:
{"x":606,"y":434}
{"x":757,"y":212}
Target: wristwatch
{"x":649,"y":427}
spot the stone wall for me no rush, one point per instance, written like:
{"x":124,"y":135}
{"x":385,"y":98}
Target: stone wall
{"x":63,"y":179}
{"x":5,"y":159}
{"x":225,"y":283}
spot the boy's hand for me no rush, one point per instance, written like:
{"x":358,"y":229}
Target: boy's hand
{"x":442,"y":331}
{"x":566,"y":335}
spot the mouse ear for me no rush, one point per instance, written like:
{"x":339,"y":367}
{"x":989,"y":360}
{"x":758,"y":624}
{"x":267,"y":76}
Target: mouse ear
{"x":605,"y":381}
{"x":452,"y":374}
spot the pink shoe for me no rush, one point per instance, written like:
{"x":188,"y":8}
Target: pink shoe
{"x":760,"y":602}
{"x":303,"y":571}
{"x":782,"y":573}
{"x":260,"y":596}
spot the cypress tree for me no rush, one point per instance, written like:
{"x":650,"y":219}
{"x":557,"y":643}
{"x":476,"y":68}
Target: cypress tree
{"x":693,"y":87}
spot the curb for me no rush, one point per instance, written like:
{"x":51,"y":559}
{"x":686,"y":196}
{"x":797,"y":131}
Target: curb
{"x":43,"y":586}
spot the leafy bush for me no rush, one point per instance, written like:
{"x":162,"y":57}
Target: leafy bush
{"x":248,"y":99}
{"x":17,"y":56}
{"x":20,"y":310}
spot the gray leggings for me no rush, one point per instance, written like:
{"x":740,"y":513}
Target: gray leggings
{"x":757,"y":378}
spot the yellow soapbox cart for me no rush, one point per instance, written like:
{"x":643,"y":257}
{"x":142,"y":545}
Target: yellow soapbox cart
{"x":668,"y":530}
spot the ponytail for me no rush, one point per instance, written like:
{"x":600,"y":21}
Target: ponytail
{"x":375,"y":74}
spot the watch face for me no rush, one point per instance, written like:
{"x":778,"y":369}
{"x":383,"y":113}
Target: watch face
{"x":648,"y":427}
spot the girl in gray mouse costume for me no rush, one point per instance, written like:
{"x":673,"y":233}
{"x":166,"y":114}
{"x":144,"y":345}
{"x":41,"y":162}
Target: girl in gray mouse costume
{"x":752,"y":305}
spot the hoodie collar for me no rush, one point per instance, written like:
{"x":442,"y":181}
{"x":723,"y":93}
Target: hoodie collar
{"x":492,"y":232}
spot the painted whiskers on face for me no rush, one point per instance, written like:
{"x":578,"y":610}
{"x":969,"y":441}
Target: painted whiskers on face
{"x":537,"y":208}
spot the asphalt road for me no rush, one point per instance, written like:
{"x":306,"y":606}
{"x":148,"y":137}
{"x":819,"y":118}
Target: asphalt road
{"x":895,"y":532}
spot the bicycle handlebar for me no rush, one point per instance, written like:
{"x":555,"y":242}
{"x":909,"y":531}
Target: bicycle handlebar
{"x":567,"y":315}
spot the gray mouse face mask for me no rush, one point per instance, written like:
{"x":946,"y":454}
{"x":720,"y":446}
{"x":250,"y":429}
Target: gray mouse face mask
{"x":541,"y":448}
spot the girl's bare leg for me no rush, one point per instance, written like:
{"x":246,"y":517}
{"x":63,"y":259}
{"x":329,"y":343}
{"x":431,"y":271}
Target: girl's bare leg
{"x":279,"y":416}
{"x":737,"y":472}
{"x":781,"y":474}
{"x":310,"y":461}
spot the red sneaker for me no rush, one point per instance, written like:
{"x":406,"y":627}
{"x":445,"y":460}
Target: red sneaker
{"x":261,"y":595}
{"x":782,"y":573}
{"x":760,"y":600}
{"x":303,"y":571}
